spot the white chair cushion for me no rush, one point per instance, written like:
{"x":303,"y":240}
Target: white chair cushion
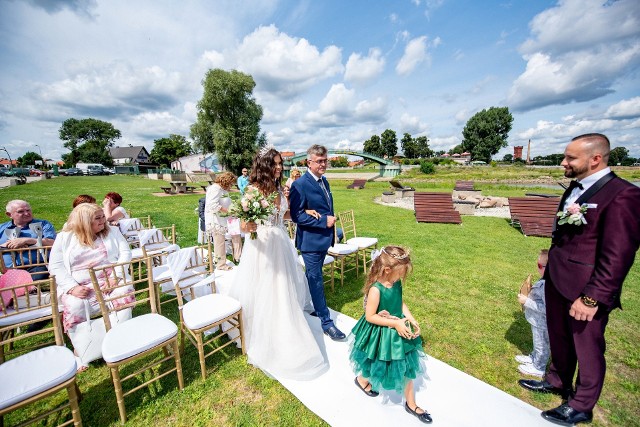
{"x":362,"y":242}
{"x":161,"y":273}
{"x":136,"y":253}
{"x":23,"y":316}
{"x":343,"y":249}
{"x":208,"y":309}
{"x":35,"y":372}
{"x":137,"y":335}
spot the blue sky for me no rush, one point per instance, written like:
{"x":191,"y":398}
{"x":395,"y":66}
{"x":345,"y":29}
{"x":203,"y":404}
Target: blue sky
{"x":329,"y":72}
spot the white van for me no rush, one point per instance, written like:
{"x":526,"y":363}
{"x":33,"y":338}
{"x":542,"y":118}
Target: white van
{"x":84,"y":167}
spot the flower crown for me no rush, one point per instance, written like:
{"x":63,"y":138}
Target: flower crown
{"x":264,"y":150}
{"x":376,"y":254}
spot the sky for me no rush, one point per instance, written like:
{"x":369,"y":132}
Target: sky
{"x":331,"y":72}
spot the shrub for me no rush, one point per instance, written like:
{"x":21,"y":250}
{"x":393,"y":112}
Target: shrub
{"x":427,"y":168}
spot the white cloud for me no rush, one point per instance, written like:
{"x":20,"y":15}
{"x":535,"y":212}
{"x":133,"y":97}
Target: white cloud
{"x":285,"y":66}
{"x":414,"y":53}
{"x":577,"y":51}
{"x":361,"y":69}
{"x":412,"y":124}
{"x":628,"y":108}
{"x":154,"y":125}
{"x":117,"y":90}
{"x":340,"y":108}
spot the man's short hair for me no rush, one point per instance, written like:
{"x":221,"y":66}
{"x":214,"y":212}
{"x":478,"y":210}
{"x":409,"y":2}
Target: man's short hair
{"x":12,"y":203}
{"x":597,"y":143}
{"x":317,"y":150}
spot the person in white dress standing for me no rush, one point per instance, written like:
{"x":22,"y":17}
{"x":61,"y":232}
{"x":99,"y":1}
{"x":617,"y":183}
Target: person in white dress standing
{"x":272,"y":288}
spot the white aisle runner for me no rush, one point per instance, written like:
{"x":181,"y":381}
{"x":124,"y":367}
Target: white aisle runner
{"x":453,"y":398}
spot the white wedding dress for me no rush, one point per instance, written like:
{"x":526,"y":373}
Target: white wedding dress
{"x":272,"y":289}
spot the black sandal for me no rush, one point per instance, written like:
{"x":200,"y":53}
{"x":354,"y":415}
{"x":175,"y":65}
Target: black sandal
{"x":370,"y":392}
{"x":424,"y":417}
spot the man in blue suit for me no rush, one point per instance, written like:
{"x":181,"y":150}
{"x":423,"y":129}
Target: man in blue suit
{"x":315,"y":235}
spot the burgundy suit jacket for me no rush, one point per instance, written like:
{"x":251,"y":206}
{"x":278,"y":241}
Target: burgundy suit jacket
{"x":594,"y":258}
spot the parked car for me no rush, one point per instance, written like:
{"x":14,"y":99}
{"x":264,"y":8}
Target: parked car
{"x":17,"y":172}
{"x":35,"y":172}
{"x":73,"y":172}
{"x":96,"y":170}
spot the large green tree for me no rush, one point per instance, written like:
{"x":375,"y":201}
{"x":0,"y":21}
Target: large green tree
{"x":486,"y":132}
{"x":389,"y":142}
{"x":229,"y":116}
{"x":166,"y":150}
{"x":422,"y":146}
{"x":88,"y":140}
{"x":617,"y":155}
{"x":29,"y":158}
{"x":373,"y":146}
{"x":409,"y":147}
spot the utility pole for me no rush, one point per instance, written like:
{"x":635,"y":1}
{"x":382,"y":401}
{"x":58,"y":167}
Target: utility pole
{"x":10,"y":161}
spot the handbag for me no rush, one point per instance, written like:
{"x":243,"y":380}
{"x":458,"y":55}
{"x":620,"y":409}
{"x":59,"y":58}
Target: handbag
{"x":87,"y":336}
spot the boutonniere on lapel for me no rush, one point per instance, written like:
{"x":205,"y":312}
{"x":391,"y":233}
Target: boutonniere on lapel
{"x":573,"y":215}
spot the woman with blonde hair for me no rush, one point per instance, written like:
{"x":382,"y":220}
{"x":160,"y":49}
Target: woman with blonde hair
{"x":86,"y":241}
{"x":216,"y":225}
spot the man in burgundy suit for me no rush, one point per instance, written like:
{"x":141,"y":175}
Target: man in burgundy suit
{"x":588,"y":262}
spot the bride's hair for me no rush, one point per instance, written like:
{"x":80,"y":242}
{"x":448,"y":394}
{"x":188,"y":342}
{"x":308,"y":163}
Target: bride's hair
{"x":262,"y":171}
{"x":394,"y":257}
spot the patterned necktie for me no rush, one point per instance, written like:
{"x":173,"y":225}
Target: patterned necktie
{"x":326,"y":193}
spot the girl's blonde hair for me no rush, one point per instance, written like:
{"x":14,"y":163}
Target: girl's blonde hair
{"x":394,"y":257}
{"x":225,"y":180}
{"x":79,"y":223}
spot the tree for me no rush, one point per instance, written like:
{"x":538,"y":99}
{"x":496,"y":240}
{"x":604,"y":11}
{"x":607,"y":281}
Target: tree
{"x":340,"y":162}
{"x":508,"y":158}
{"x":422,"y":146}
{"x":166,"y":150}
{"x":202,"y":135}
{"x":229,"y":116}
{"x":409,"y":146}
{"x":373,"y":146}
{"x":486,"y":132}
{"x":29,"y":158}
{"x":389,"y":143}
{"x":617,"y":155}
{"x":88,"y":140}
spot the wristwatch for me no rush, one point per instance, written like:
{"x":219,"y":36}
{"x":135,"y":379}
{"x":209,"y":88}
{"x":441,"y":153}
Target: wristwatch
{"x":588,"y":301}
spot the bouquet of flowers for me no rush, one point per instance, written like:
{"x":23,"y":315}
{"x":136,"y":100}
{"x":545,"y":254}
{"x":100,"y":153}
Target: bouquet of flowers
{"x":574,"y":215}
{"x":253,"y":207}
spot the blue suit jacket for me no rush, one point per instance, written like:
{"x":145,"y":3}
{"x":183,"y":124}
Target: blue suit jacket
{"x":312,"y":235}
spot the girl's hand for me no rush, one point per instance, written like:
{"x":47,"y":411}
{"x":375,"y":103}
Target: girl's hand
{"x":403,"y":329}
{"x":386,"y":315}
{"x":522,"y":299}
{"x":416,"y":328}
{"x":248,"y":227}
{"x":313,"y":213}
{"x":80,"y":291}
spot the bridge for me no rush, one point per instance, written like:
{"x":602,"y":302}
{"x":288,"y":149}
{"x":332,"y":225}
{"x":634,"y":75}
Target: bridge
{"x":387,"y":167}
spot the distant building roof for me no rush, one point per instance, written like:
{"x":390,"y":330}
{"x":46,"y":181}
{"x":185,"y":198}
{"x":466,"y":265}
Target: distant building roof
{"x":127,"y":152}
{"x":287,"y":154}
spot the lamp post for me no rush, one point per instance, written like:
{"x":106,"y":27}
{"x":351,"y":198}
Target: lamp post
{"x":10,"y":162}
{"x":40,"y":150}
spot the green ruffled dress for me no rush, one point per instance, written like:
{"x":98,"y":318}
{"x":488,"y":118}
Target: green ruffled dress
{"x":379,"y":353}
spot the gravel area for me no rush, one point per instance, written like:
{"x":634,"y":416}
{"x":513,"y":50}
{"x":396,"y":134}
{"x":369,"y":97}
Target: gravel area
{"x":407,"y":203}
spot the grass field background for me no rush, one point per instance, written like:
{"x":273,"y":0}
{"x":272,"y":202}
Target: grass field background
{"x":462,"y":291}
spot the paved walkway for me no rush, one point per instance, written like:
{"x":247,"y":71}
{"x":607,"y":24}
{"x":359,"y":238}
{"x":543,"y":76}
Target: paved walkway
{"x":4,"y":180}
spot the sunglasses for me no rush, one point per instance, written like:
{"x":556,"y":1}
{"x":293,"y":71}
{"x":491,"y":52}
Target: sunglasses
{"x":541,"y":265}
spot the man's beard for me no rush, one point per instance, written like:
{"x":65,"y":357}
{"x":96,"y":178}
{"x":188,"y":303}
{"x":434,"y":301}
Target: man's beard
{"x":573,"y":172}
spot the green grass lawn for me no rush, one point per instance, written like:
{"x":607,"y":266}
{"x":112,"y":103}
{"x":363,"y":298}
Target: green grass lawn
{"x":462,"y":291}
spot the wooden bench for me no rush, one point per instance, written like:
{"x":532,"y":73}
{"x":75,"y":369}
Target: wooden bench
{"x":357,"y":184}
{"x":204,"y":187}
{"x":167,"y":190}
{"x":534,"y":215}
{"x":435,"y":207}
{"x":189,"y":189}
{"x":464,"y":186}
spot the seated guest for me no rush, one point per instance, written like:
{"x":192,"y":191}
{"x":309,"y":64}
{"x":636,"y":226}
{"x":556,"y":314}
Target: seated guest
{"x":217,"y":202}
{"x":17,"y":233}
{"x":83,"y":198}
{"x":112,"y":209}
{"x":85,"y":241}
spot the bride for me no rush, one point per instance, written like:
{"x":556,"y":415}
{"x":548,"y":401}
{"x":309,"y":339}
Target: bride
{"x":272,"y":288}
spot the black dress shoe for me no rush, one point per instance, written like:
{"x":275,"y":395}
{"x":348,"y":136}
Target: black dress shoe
{"x":424,"y":417}
{"x":314,"y":314}
{"x":36,"y":326}
{"x":335,"y":334}
{"x":565,"y":415}
{"x":544,"y":387}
